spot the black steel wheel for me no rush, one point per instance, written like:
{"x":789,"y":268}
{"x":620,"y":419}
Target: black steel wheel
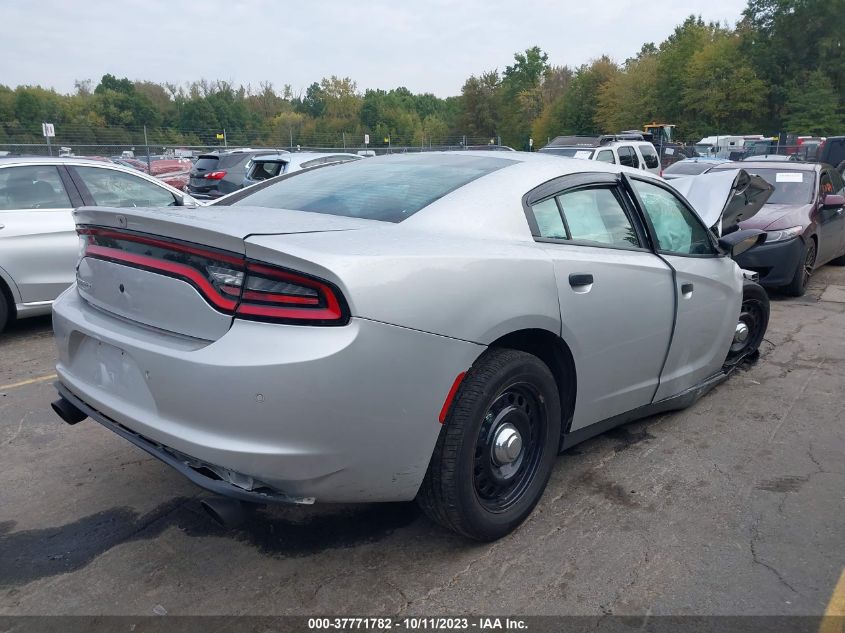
{"x":497,"y":448}
{"x":509,"y":447}
{"x":752,"y":323}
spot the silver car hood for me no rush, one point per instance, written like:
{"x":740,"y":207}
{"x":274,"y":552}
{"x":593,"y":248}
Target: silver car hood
{"x":726,"y":197}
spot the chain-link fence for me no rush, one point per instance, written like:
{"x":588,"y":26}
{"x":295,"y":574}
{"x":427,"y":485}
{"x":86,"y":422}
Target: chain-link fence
{"x":83,"y":140}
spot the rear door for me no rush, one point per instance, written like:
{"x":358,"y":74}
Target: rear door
{"x":708,"y":286}
{"x":616,"y":297}
{"x":106,"y":187}
{"x":38,"y":245}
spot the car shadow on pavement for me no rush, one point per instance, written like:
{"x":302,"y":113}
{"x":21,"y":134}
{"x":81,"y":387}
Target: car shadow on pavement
{"x":29,"y":555}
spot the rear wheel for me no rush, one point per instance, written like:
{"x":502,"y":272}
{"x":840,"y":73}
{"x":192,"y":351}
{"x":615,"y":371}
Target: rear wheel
{"x":4,"y":309}
{"x":496,"y":450}
{"x":752,"y":323}
{"x":798,"y":286}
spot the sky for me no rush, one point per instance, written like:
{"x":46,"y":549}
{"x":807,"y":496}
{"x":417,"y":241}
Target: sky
{"x":424,"y":45}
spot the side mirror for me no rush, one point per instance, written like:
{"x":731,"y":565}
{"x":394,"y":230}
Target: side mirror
{"x":833,"y":201}
{"x":740,"y":241}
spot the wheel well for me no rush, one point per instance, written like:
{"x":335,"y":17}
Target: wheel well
{"x":553,"y":351}
{"x":10,"y":300}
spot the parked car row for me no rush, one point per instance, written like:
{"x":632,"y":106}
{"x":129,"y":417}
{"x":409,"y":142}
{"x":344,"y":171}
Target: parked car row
{"x":219,"y":173}
{"x":339,"y":334}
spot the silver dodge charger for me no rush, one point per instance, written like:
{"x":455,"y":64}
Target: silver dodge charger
{"x":436,"y":326}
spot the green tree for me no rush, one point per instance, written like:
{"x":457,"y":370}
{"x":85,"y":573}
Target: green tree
{"x":481,"y":102}
{"x":630,"y":98}
{"x":812,"y":106}
{"x":576,"y":112}
{"x":521,"y":95}
{"x":722,"y":90}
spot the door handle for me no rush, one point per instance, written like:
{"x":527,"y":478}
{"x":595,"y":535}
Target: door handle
{"x":580,"y":279}
{"x":686,"y":290}
{"x":2,"y":226}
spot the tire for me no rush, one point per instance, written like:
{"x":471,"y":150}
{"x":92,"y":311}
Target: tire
{"x":754,"y":314}
{"x":798,"y":286}
{"x":841,"y":168}
{"x":4,"y":309}
{"x":466,"y":488}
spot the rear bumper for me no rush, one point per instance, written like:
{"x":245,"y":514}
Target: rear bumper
{"x":775,"y":263}
{"x":189,"y":467}
{"x":338,"y":414}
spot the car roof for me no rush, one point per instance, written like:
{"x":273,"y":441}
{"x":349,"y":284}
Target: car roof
{"x":792,"y":165}
{"x":54,"y":160}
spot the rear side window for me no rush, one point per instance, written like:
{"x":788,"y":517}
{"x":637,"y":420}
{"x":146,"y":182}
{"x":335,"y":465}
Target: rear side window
{"x":627,"y":156}
{"x":606,"y":156}
{"x":549,"y":220}
{"x":112,"y":188}
{"x":597,"y":215}
{"x":32,"y":187}
{"x":649,"y":156}
{"x":389,"y":189}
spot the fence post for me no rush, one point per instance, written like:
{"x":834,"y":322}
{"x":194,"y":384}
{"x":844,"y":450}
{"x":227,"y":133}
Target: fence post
{"x":147,"y":145}
{"x":290,"y":131}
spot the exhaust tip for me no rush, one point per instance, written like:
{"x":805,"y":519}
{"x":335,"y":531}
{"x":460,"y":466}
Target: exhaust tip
{"x":67,"y":412}
{"x":225,"y":512}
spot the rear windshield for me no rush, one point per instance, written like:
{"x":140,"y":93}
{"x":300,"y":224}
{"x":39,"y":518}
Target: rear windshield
{"x":690,"y":168}
{"x":390,"y":189}
{"x":791,"y":187}
{"x":569,"y":152}
{"x":208,"y":163}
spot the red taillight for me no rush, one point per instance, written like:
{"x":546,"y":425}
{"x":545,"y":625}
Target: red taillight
{"x":229,"y":282}
{"x":215,"y":175}
{"x":275,"y":294}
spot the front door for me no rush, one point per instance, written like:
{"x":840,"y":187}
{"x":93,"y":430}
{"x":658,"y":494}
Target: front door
{"x":708,"y":287}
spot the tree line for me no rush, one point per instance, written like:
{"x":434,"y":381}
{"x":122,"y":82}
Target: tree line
{"x":781,"y":68}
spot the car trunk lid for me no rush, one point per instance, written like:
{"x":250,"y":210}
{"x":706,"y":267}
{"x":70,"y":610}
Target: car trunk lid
{"x":178,"y":270}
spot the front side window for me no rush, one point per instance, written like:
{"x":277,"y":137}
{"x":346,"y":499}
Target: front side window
{"x":596,"y":215}
{"x":677,"y":229}
{"x":112,"y":188}
{"x":32,"y":187}
{"x":606,"y":156}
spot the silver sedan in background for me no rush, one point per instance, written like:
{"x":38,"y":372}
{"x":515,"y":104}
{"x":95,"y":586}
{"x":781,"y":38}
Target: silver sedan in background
{"x":38,"y":243}
{"x":433,"y":326}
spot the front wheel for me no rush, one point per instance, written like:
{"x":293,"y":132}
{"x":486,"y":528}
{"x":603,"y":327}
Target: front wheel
{"x":752,"y":323}
{"x":798,"y":286}
{"x":496,"y":450}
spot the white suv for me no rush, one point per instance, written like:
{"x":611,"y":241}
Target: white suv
{"x":625,"y":149}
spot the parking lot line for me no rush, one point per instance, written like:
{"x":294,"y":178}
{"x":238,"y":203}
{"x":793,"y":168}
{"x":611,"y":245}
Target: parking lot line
{"x":31,"y":381}
{"x":834,"y":615}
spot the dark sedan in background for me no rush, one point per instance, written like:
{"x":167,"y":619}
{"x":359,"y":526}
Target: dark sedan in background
{"x":804,"y":220}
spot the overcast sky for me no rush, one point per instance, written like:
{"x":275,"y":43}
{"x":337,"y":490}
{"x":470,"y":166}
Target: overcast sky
{"x":425,"y":45}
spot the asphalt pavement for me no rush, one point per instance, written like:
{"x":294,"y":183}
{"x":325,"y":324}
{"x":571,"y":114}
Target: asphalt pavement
{"x":733,"y":506}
